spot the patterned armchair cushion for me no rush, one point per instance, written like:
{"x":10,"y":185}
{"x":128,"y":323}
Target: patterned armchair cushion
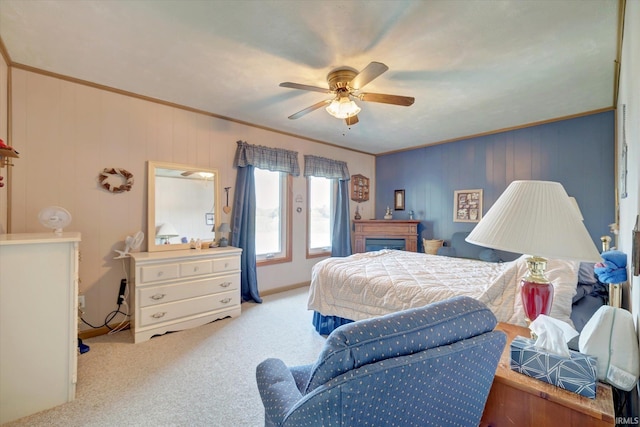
{"x":368,"y":341}
{"x":429,"y":366}
{"x":444,"y":386}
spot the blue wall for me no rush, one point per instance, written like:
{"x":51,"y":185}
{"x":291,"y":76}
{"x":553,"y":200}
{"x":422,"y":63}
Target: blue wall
{"x":578,"y":153}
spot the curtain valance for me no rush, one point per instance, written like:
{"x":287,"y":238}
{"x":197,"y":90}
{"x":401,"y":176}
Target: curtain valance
{"x":325,"y":168}
{"x":273,"y":159}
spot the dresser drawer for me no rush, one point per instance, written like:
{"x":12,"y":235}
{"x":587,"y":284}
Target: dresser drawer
{"x":155,"y":273}
{"x":195,"y":268}
{"x":175,"y":310}
{"x":226,"y":264}
{"x":155,"y":295}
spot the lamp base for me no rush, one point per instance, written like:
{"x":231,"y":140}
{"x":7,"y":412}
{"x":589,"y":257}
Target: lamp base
{"x":535,"y":290}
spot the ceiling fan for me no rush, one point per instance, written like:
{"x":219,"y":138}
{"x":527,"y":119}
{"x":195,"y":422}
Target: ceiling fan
{"x":345,"y":84}
{"x":201,"y":174}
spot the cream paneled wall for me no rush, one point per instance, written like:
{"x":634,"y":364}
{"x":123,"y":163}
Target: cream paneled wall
{"x":67,"y":133}
{"x":4,"y":133}
{"x":630,"y":96}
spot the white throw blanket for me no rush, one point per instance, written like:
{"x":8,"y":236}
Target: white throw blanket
{"x":372,"y":284}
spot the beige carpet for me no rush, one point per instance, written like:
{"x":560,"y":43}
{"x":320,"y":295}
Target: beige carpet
{"x":199,"y":377}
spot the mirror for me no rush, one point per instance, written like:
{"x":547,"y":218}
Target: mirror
{"x":182,"y":204}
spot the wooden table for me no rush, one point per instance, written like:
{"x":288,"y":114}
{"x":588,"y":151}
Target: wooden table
{"x":519,"y":400}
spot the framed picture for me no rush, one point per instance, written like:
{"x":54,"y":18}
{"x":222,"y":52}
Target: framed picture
{"x":208,"y":218}
{"x":467,"y":205}
{"x":398,"y":203}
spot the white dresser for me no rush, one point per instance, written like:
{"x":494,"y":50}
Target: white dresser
{"x":38,"y":322}
{"x":177,"y":290}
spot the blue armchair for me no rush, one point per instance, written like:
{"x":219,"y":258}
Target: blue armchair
{"x":431,"y":365}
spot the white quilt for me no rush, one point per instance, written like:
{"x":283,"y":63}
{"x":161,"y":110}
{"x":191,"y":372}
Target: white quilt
{"x":372,"y":284}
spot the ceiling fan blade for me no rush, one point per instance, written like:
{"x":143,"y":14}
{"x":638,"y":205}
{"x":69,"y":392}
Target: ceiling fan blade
{"x":351,"y":120}
{"x":187,"y":173}
{"x":304,"y":87}
{"x":405,"y":101}
{"x":309,"y":109}
{"x":369,"y":73}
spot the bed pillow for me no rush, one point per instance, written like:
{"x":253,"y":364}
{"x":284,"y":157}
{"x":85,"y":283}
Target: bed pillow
{"x":586,"y":273}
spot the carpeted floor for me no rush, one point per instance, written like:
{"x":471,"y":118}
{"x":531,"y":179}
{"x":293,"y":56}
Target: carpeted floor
{"x":203,"y":376}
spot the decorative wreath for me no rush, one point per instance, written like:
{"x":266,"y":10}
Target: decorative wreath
{"x":123,"y":173}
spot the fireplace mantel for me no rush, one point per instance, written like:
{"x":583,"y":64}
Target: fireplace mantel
{"x":386,"y":229}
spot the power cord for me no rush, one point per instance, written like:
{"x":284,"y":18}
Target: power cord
{"x":123,"y":294}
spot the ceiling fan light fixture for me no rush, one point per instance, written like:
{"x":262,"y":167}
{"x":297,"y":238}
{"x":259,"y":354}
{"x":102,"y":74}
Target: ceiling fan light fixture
{"x":206,"y":175}
{"x":343,"y":108}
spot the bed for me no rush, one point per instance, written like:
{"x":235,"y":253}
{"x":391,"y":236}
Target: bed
{"x":372,"y":284}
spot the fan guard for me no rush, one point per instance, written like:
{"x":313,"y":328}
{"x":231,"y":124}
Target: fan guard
{"x":130,"y":243}
{"x":54,"y":217}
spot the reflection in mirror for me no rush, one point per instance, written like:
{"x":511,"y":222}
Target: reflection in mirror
{"x":182,"y":205}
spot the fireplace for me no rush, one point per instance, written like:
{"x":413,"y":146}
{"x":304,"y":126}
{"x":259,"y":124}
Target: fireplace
{"x":373,"y":234}
{"x":376,"y":244}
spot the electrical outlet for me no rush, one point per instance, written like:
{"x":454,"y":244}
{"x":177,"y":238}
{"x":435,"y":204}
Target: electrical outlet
{"x":81,"y":302}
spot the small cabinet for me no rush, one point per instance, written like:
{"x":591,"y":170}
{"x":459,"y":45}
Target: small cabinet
{"x":359,"y":188}
{"x":38,"y":322}
{"x":176,"y":290}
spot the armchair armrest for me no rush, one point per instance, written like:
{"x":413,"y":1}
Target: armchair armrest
{"x":277,"y":388}
{"x":446,"y":251}
{"x":301,"y":374}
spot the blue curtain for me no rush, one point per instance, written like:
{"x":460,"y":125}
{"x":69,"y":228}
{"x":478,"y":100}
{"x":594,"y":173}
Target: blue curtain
{"x":247,"y":158}
{"x":244,"y":232}
{"x":341,"y":237}
{"x":335,"y":169}
{"x":273,"y":159}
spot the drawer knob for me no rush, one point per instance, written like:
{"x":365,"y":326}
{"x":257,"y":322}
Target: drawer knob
{"x":160,"y":273}
{"x":196,"y":268}
{"x":226,"y":264}
{"x":159,"y":315}
{"x":158,"y":296}
{"x":225,"y":284}
{"x":225,"y":301}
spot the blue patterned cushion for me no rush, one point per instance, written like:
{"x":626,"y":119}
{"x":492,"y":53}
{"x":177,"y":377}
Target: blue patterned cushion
{"x":360,"y":343}
{"x":444,"y":386}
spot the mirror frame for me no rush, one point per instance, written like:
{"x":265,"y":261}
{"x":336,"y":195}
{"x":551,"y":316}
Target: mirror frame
{"x":151,"y":204}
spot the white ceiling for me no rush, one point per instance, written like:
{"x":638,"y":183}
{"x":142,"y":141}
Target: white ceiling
{"x":473,"y":66}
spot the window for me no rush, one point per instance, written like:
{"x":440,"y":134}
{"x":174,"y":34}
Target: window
{"x":321,"y":207}
{"x":273,"y":205}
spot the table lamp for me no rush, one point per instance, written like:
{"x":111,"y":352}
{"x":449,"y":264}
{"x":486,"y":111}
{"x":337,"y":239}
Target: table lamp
{"x":536,"y":218}
{"x":166,"y":232}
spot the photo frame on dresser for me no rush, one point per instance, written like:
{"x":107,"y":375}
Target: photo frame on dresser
{"x":467,"y":205}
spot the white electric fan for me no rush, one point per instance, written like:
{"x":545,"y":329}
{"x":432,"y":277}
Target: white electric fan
{"x":130,"y":243}
{"x":54,"y":217}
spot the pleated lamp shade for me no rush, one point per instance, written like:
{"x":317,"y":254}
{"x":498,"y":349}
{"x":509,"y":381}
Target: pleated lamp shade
{"x":536,"y":218}
{"x":166,"y":230}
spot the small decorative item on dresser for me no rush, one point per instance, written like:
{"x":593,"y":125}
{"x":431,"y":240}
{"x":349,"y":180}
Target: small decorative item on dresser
{"x":224,"y":228}
{"x":388,"y":214}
